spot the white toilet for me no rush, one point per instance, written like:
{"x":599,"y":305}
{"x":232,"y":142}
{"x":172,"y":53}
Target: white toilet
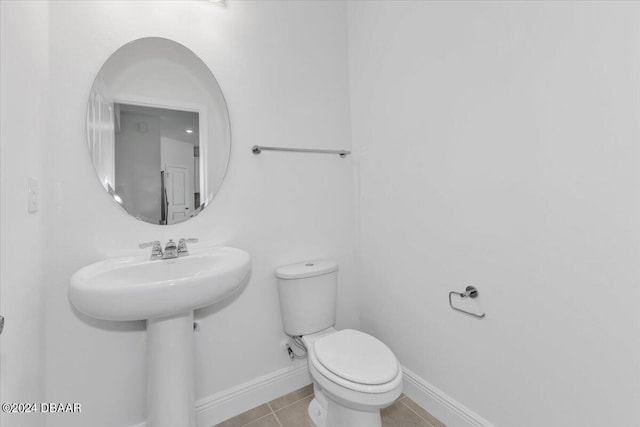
{"x":354,"y":374}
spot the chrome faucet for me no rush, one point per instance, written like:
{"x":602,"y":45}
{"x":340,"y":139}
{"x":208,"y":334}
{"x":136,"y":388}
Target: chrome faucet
{"x":182,"y":245}
{"x":171,"y":250}
{"x":156,"y":249}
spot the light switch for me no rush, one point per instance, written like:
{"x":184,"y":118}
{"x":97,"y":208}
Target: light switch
{"x":34,"y":195}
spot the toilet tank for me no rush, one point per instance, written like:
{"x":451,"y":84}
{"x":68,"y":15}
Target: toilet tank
{"x":308,"y":296}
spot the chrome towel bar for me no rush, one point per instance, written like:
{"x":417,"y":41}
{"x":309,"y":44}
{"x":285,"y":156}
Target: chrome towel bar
{"x":257,"y":149}
{"x":470,"y":292}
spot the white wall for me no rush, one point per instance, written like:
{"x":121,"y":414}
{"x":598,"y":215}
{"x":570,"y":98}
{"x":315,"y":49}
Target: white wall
{"x":23,"y":84}
{"x":282,"y":68}
{"x":498,"y":146}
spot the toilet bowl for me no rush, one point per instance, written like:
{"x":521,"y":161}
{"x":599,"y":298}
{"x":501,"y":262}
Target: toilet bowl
{"x":354,"y":374}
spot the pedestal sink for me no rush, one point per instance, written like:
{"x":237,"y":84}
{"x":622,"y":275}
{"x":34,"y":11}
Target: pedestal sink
{"x":165,"y":293}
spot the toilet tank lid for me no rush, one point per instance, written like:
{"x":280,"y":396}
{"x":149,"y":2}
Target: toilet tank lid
{"x":306,"y":269}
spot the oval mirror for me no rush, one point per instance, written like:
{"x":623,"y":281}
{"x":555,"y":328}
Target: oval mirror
{"x":158,"y":131}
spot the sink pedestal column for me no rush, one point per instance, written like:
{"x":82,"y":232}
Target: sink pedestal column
{"x":170,"y":372}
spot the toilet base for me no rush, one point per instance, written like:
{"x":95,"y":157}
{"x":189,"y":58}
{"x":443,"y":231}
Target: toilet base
{"x":324,"y":412}
{"x":317,"y":414}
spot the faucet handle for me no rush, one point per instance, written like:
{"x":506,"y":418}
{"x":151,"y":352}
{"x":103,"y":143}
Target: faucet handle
{"x":189,"y":240}
{"x":182,"y":245}
{"x":149,"y":244}
{"x":156,"y":252}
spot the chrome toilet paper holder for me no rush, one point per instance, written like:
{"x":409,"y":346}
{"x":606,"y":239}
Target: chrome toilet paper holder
{"x":470,"y":292}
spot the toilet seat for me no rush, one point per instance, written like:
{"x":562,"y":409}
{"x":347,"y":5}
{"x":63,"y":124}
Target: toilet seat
{"x":356,"y":361}
{"x":357,"y":357}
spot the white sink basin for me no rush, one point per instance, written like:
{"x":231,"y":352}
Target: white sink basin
{"x":136,"y":288}
{"x":165,"y":293}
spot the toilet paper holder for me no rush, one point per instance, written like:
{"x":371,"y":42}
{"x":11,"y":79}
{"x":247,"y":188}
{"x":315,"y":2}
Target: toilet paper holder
{"x":470,"y":292}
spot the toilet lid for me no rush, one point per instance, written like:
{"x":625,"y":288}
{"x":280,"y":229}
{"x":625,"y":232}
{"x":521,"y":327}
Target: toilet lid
{"x":357,"y":357}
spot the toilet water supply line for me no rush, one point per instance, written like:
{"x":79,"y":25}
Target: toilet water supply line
{"x":297,"y":341}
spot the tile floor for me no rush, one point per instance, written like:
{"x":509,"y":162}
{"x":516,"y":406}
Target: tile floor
{"x":291,"y":411}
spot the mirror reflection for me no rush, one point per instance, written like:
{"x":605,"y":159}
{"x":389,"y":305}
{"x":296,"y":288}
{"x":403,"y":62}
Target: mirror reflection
{"x":158,"y":131}
{"x":158,"y":150}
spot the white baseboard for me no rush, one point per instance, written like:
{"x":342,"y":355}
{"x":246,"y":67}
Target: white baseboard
{"x":218,"y":407}
{"x":439,"y":404}
{"x":229,"y":403}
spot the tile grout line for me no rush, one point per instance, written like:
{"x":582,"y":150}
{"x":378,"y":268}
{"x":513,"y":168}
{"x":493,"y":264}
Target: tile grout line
{"x":277,"y":419}
{"x":292,"y":403}
{"x":419,"y":416}
{"x":274,"y":414}
{"x":258,"y":419}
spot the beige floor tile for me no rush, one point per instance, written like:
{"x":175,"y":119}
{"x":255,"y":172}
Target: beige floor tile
{"x":399,"y":415}
{"x":422,"y":412}
{"x":296,"y":415}
{"x":293,"y":412}
{"x":246,"y":417}
{"x":268,"y":421}
{"x":290,"y":398}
